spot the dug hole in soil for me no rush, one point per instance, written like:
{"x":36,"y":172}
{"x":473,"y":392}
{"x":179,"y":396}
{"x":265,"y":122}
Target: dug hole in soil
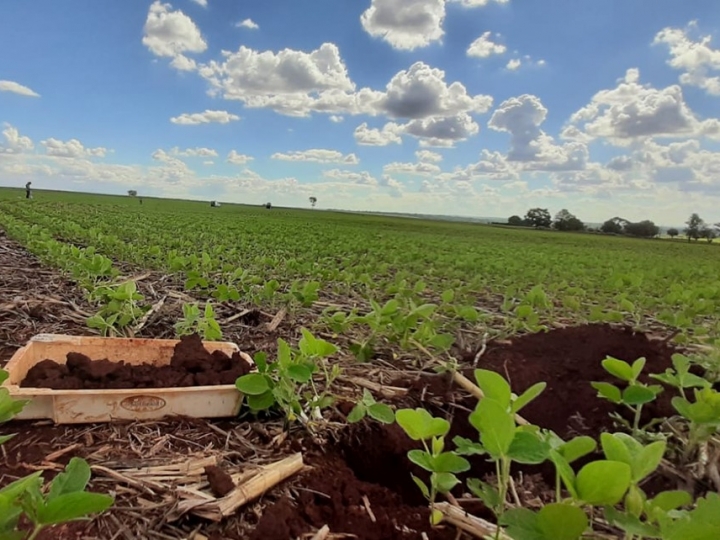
{"x":566,"y":359}
{"x":191,"y":365}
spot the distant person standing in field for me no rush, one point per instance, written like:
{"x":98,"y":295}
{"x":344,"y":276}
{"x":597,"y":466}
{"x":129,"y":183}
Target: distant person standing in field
{"x":28,"y":191}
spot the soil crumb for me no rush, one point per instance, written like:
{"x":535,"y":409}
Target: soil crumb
{"x":191,"y":365}
{"x":221,"y":483}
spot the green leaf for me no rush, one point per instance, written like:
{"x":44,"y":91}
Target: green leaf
{"x":18,"y":487}
{"x":702,"y":523}
{"x":436,"y":516}
{"x":522,"y":524}
{"x":381,"y":412}
{"x":527,"y":396}
{"x":559,"y":521}
{"x":466,"y":447}
{"x":75,"y":478}
{"x":423,"y":487}
{"x":608,"y":391}
{"x":494,"y":386}
{"x":357,"y":413}
{"x":422,"y":459}
{"x":284,"y":352}
{"x":671,"y":500}
{"x":487,"y":493}
{"x":72,"y":506}
{"x":648,"y":459}
{"x":260,"y":359}
{"x":3,"y":376}
{"x":449,"y":462}
{"x":496,"y":426}
{"x":448,"y":296}
{"x":442,"y":342}
{"x":637,"y":367}
{"x":618,"y":368}
{"x":445,"y":482}
{"x":299,"y":373}
{"x":603,"y":482}
{"x":577,"y":448}
{"x":252,"y":384}
{"x":528,"y":448}
{"x":636,"y":394}
{"x":262,"y":401}
{"x":614,"y":449}
{"x":567,"y":475}
{"x":420,"y":425}
{"x":630,"y":523}
{"x":437,"y":445}
{"x":6,"y":438}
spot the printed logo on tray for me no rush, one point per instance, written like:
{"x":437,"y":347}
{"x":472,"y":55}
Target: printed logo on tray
{"x":142,"y":403}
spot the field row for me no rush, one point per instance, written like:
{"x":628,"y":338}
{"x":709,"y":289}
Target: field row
{"x":282,"y":256}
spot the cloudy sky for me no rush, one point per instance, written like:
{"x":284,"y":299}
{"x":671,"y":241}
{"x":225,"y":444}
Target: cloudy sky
{"x":466,"y":107}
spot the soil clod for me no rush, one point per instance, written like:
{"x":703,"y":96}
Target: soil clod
{"x":221,"y":483}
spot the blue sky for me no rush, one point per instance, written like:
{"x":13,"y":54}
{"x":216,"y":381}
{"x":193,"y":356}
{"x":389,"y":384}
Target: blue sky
{"x":467,"y":107}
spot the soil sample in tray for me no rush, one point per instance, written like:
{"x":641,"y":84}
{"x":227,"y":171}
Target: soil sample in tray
{"x":191,"y":365}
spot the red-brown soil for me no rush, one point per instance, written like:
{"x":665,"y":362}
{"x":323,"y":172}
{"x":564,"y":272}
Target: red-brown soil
{"x":568,"y":360}
{"x":332,"y":495}
{"x":191,"y":365}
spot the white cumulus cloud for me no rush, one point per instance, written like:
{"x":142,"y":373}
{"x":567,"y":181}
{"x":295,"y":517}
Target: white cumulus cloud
{"x":194,"y":152}
{"x":428,"y":157}
{"x":367,"y":136}
{"x":14,"y":142}
{"x":696,"y":58}
{"x":633,"y":111}
{"x":238,"y":159}
{"x":248,"y":23}
{"x":405,"y":24}
{"x":361,"y":177}
{"x":169,"y":33}
{"x":71,"y":149}
{"x":484,"y":47}
{"x":318,"y":155}
{"x":522,"y":117}
{"x":206,"y":117}
{"x":420,"y":169}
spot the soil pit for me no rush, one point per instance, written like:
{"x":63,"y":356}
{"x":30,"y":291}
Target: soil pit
{"x":568,"y":360}
{"x":191,"y":365}
{"x":333,"y":495}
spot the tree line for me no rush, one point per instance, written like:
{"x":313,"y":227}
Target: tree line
{"x":540,"y":218}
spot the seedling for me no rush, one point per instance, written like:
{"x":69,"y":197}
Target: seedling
{"x":419,"y":425}
{"x":500,"y":437}
{"x":287,"y":384}
{"x":120,"y":309}
{"x":194,"y":322}
{"x":635,"y":395}
{"x":367,"y":406}
{"x":66,"y":499}
{"x":679,"y":375}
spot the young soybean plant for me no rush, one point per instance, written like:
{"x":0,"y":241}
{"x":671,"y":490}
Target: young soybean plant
{"x":367,"y":406}
{"x":66,"y":500}
{"x":500,"y":436}
{"x":419,"y":425}
{"x":635,"y":395}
